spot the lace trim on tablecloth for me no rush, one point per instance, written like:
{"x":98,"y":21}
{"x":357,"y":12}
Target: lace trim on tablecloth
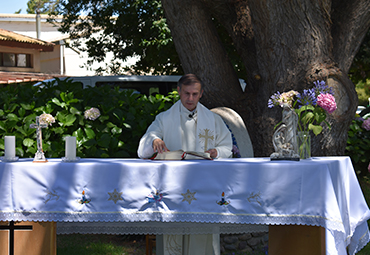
{"x":359,"y":239}
{"x":156,"y":228}
{"x":270,"y":219}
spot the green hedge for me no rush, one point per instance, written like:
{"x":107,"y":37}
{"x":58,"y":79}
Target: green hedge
{"x":116,"y":133}
{"x":125,"y":116}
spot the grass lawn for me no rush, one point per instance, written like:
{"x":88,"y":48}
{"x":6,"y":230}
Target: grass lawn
{"x":135,"y":244}
{"x":77,"y":244}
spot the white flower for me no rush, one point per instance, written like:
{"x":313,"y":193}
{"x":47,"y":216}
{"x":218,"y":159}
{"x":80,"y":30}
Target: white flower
{"x":92,"y":113}
{"x":46,"y":118}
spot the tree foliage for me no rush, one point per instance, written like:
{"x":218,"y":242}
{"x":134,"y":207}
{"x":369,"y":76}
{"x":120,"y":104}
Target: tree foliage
{"x":44,"y":6}
{"x":132,"y":28}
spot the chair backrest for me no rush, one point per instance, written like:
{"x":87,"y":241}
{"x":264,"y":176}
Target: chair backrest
{"x":238,"y":129}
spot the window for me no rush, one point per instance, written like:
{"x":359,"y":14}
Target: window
{"x":15,"y":59}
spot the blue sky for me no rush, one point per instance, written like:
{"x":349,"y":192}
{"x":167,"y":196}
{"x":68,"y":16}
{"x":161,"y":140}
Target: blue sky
{"x":11,"y":6}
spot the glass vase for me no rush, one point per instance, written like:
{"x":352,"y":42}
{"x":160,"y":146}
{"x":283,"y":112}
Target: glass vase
{"x":304,"y":144}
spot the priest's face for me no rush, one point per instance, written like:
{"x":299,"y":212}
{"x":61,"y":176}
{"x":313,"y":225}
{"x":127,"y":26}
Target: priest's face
{"x":190,"y":95}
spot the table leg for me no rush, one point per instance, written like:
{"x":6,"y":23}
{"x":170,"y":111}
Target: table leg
{"x":40,"y":240}
{"x":296,"y":239}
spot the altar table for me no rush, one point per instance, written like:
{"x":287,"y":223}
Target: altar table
{"x":134,"y":196}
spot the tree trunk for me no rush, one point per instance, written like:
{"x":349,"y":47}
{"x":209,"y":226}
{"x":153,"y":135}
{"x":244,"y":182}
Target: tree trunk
{"x":284,"y":45}
{"x":201,"y":52}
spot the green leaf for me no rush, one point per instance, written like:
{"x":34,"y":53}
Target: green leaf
{"x":12,"y":117}
{"x":315,"y":128}
{"x":320,"y":115}
{"x":307,"y":117}
{"x":27,"y":106}
{"x":90,"y":133}
{"x":78,"y":134}
{"x":128,"y":126}
{"x":58,"y":103}
{"x":116,"y":130}
{"x":21,"y":112}
{"x":66,"y":119}
{"x":28,"y":142}
{"x":2,"y":125}
{"x":74,"y":111}
{"x":89,"y":143}
{"x":104,"y":141}
{"x":19,"y":151}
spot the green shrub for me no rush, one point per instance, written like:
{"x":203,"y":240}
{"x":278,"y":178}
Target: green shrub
{"x":363,"y":92}
{"x":358,"y":147}
{"x":124,"y":118}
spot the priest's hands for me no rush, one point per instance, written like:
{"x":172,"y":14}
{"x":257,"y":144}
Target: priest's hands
{"x":159,"y":146}
{"x":212,"y":153}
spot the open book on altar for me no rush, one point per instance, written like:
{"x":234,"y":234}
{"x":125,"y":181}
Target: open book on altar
{"x":181,"y":155}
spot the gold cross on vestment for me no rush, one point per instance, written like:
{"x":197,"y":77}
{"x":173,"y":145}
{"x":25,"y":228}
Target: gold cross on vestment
{"x":206,"y":136}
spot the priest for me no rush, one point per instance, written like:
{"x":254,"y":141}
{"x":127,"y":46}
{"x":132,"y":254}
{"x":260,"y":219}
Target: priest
{"x":187,"y":125}
{"x":190,"y":126}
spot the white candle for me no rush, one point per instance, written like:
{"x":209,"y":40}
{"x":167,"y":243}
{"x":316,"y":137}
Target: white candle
{"x":71,"y":147}
{"x":9,"y":143}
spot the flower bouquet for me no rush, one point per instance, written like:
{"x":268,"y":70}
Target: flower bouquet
{"x":311,"y":107}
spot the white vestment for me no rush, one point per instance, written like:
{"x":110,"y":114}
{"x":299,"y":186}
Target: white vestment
{"x":199,"y":130}
{"x":181,"y":129}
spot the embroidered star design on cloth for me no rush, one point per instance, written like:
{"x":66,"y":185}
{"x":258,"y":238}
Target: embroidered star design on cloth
{"x":188,"y":196}
{"x":51,"y":195}
{"x":115,"y":196}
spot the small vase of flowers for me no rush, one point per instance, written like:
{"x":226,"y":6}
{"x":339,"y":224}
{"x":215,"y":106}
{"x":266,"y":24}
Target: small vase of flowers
{"x":311,"y":106}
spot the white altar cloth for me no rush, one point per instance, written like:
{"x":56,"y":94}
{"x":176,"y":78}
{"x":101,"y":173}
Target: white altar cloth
{"x":134,"y":196}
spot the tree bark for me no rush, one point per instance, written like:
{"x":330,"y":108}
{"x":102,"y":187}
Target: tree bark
{"x":201,"y":52}
{"x":284,"y":45}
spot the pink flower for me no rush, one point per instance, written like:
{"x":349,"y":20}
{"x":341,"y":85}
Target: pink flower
{"x":327,"y":102}
{"x":366,"y":124}
{"x":368,"y":168}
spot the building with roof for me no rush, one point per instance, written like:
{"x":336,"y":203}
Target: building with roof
{"x":42,"y":49}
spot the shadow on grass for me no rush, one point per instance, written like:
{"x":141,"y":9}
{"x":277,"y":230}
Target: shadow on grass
{"x":99,"y":244}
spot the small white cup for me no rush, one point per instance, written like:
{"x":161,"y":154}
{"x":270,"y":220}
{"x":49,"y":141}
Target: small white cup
{"x":71,"y":147}
{"x":9,"y":144}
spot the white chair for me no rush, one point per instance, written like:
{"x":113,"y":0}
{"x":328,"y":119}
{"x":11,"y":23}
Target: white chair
{"x":239,"y":131}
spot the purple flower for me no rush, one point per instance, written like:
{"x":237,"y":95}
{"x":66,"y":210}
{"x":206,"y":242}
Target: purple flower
{"x":308,"y":97}
{"x":366,"y":124}
{"x":327,"y":102}
{"x":274,"y":100}
{"x":322,"y":88}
